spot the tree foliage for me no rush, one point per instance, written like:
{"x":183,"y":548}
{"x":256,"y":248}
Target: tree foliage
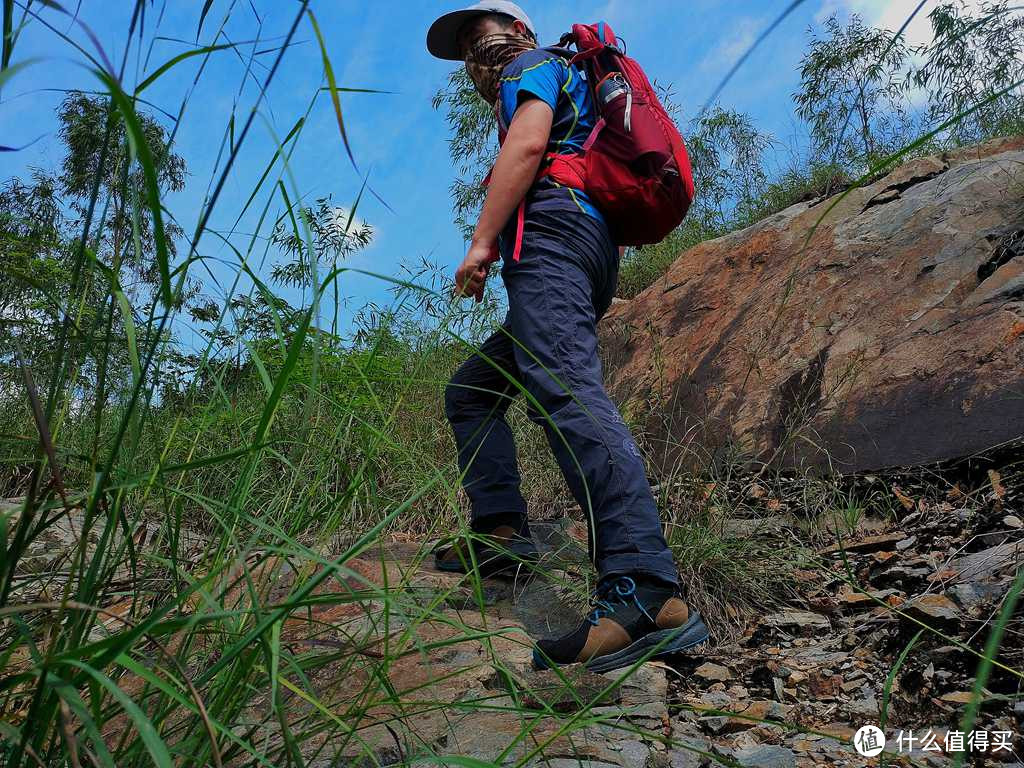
{"x":728,"y":155}
{"x":334,"y":233}
{"x":472,"y":145}
{"x":312,"y":240}
{"x":91,"y":153}
{"x":32,"y":243}
{"x":972,"y":60}
{"x":853,"y":92}
{"x":45,"y":284}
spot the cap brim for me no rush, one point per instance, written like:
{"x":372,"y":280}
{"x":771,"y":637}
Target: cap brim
{"x":442,"y":37}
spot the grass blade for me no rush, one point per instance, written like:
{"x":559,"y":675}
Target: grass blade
{"x":176,"y":60}
{"x":142,"y":152}
{"x":8,"y":41}
{"x":10,"y":70}
{"x":992,"y":645}
{"x":202,"y":17}
{"x":147,"y":731}
{"x":332,"y":86}
{"x":746,"y":55}
{"x":42,"y":425}
{"x":883,"y":716}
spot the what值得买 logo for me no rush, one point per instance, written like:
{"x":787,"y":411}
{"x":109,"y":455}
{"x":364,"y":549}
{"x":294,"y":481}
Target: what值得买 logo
{"x":869,"y":740}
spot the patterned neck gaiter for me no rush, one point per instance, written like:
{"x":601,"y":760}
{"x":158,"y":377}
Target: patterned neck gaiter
{"x":488,"y":57}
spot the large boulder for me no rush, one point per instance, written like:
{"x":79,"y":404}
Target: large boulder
{"x":881,"y":329}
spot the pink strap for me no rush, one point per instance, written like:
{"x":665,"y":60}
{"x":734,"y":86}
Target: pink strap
{"x":520,"y":226}
{"x":593,"y":135}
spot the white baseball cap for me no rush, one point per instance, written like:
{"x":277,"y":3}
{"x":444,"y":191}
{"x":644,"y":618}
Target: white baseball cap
{"x":442,"y":39}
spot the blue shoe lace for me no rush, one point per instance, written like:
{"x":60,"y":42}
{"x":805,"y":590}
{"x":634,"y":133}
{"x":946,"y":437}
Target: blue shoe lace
{"x":622,"y":591}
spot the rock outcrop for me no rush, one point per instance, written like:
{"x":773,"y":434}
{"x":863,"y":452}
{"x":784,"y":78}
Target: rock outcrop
{"x":423,"y":667}
{"x":885,"y":328}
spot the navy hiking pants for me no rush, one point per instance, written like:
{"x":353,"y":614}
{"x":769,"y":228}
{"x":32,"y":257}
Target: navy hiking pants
{"x":557,"y":292}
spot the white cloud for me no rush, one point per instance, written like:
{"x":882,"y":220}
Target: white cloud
{"x":342,"y":215}
{"x":890,"y":14}
{"x":830,"y":7}
{"x":734,"y":44}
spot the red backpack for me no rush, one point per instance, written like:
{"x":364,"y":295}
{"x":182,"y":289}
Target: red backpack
{"x":634,"y":165}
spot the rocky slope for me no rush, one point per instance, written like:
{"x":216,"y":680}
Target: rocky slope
{"x":929,"y":585}
{"x":882,"y":329}
{"x":788,"y":691}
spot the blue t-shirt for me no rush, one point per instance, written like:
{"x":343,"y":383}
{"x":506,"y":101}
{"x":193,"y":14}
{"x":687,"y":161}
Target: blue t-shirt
{"x":545,"y":75}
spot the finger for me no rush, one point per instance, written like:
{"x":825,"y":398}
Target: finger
{"x":465,"y":288}
{"x":462,"y":282}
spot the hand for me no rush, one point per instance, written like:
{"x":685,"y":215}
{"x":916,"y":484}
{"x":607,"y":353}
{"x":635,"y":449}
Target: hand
{"x":471,"y":275}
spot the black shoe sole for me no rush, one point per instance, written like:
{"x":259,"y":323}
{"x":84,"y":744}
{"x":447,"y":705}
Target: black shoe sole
{"x":664,"y":642}
{"x":490,"y":563}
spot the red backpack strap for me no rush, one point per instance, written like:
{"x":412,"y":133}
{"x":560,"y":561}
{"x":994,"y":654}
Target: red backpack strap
{"x":589,"y":37}
{"x":598,"y":52}
{"x":591,"y":40}
{"x":521,"y":210}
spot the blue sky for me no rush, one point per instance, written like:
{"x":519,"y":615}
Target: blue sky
{"x":398,"y":138}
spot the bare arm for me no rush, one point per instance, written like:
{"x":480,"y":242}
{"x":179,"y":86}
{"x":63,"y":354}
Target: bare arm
{"x":513,"y":175}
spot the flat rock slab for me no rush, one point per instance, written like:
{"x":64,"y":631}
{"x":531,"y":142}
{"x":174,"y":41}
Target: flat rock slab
{"x":988,"y":563}
{"x":766,"y":756}
{"x":570,"y":691}
{"x":933,"y":610}
{"x":877,"y":543}
{"x":713,"y":672}
{"x":797,"y":622}
{"x":459,"y":678}
{"x":419,"y":663}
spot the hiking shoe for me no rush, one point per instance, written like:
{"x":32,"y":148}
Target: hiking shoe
{"x":503,"y":550}
{"x":631,"y":620}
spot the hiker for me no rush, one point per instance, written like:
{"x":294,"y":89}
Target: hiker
{"x":560,"y":267}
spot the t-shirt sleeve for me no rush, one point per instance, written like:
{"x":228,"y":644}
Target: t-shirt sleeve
{"x":541,"y":80}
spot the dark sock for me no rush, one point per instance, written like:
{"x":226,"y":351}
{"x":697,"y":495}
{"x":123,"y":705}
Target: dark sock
{"x":647,"y":582}
{"x":650,"y":590}
{"x":490,"y":523}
